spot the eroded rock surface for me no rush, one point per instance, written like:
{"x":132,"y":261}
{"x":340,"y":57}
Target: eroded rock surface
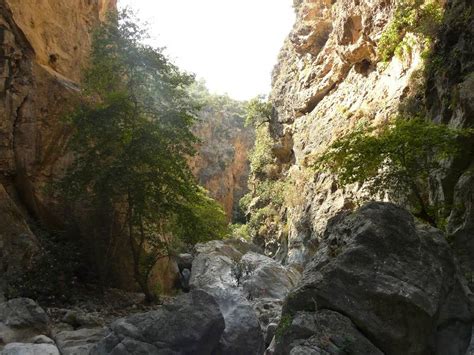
{"x":221,"y":164}
{"x":397,"y":283}
{"x":191,"y":324}
{"x":30,"y":349}
{"x":249,"y":288}
{"x":21,"y":320}
{"x":80,"y":341}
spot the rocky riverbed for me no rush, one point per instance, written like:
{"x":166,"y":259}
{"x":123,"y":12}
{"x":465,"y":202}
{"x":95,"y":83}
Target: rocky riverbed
{"x":379,"y":284}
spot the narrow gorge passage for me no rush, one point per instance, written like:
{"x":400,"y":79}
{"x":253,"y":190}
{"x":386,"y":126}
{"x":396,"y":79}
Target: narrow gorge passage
{"x":237,"y":177}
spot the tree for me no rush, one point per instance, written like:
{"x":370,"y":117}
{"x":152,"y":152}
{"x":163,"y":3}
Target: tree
{"x":397,"y":157}
{"x":258,"y":111}
{"x":132,"y":136}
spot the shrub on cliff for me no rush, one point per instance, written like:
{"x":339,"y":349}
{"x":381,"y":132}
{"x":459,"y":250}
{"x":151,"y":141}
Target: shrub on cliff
{"x":397,"y":158}
{"x":419,"y":17}
{"x":132,"y":136}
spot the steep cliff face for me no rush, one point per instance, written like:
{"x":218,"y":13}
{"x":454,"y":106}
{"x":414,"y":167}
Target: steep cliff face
{"x":221,"y":164}
{"x":44,"y":47}
{"x":330,"y":77}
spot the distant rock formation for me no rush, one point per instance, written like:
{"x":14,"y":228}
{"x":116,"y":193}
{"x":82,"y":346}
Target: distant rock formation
{"x":221,"y":164}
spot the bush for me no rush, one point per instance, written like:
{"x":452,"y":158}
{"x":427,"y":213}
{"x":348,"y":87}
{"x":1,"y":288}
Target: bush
{"x":396,"y":158}
{"x":261,"y":155}
{"x":419,"y":17}
{"x":240,"y":231}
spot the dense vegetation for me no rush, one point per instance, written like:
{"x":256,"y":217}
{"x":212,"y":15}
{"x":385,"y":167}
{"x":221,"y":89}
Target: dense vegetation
{"x":397,"y":158}
{"x":269,"y":192}
{"x":132,"y":137}
{"x":414,"y":22}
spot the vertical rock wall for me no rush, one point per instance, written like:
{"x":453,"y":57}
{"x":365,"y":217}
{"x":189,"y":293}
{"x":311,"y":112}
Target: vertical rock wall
{"x":221,"y":164}
{"x":329,"y":78}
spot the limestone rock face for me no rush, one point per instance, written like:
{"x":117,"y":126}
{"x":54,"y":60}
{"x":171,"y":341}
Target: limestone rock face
{"x":450,"y":98}
{"x":330,"y":78}
{"x":44,"y":46}
{"x":18,"y":245}
{"x":221,"y":164}
{"x":395,"y":281}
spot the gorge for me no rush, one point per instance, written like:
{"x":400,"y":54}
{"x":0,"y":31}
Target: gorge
{"x":320,"y":267}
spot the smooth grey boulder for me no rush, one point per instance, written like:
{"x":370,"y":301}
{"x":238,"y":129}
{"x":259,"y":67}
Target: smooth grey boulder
{"x":397,"y":282}
{"x":269,"y":279}
{"x":78,"y":342}
{"x":242,"y":333}
{"x":213,"y":264}
{"x":30,"y":349}
{"x":248,"y":304}
{"x":192,"y":324}
{"x":21,"y":319}
{"x":324,"y":332}
{"x":212,"y":272}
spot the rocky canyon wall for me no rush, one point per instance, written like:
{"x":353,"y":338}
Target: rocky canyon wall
{"x":45,"y":47}
{"x":221,"y":164}
{"x":330,"y":77}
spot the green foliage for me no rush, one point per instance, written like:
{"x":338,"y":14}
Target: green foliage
{"x":419,"y":17}
{"x":261,"y":155}
{"x":132,"y":136}
{"x":397,"y":158}
{"x":214,"y":104}
{"x":283,"y":326}
{"x":271,"y":196}
{"x":240,"y":231}
{"x":189,"y":226}
{"x":258,"y":111}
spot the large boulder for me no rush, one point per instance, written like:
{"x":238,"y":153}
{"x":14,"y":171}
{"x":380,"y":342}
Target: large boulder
{"x":242,"y":334}
{"x":249,"y":288}
{"x":267,"y":278}
{"x":21,"y":319}
{"x":396,"y":281}
{"x":78,"y":342}
{"x":30,"y":349}
{"x":191,"y":324}
{"x":324,"y":332}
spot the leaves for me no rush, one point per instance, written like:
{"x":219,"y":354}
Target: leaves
{"x":258,"y":111}
{"x":396,"y":157}
{"x":132,"y":138}
{"x":421,"y":17}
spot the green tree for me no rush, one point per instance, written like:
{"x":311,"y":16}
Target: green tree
{"x":132,"y":136}
{"x":258,"y":111}
{"x":396,"y":158}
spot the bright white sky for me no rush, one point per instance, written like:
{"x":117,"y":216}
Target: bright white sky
{"x":231,"y":44}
